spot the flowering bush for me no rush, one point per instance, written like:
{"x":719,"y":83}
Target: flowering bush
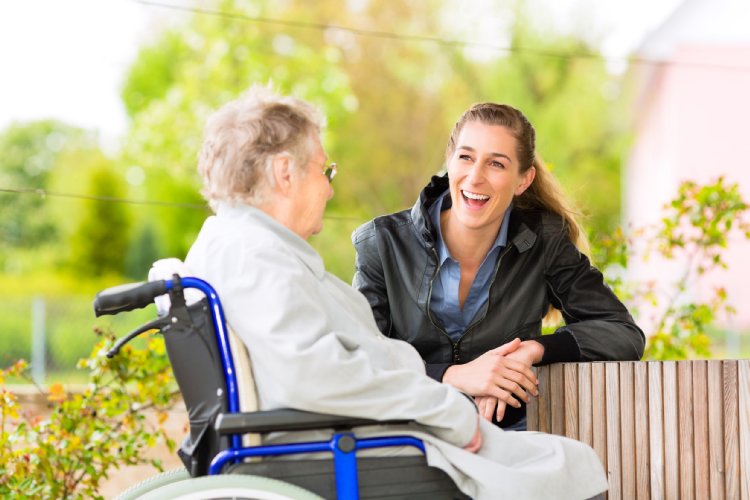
{"x":694,"y":231}
{"x":87,"y":434}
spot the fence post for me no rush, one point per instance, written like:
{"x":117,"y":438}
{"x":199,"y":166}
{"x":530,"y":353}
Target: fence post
{"x":38,"y":324}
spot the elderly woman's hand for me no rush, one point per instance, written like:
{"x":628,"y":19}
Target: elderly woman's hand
{"x":476,"y":442}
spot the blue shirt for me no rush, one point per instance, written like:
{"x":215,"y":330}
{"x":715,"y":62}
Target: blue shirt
{"x":444,"y":304}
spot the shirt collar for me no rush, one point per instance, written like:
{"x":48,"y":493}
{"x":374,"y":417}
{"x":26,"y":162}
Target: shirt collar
{"x":443,"y":253}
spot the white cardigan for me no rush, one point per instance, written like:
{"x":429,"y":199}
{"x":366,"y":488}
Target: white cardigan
{"x":314,"y":346}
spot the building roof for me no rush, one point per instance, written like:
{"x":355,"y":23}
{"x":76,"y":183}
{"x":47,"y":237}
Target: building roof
{"x":700,"y":22}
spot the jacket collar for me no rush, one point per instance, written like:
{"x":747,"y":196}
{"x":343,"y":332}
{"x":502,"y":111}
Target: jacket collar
{"x":420,"y":211}
{"x":519,"y":233}
{"x":523,"y":238}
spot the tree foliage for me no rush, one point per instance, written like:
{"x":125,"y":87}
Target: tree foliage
{"x":30,"y":152}
{"x":100,"y":241}
{"x":212,"y":59}
{"x":390,"y":105}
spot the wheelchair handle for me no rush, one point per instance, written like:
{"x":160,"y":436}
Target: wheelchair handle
{"x":128,"y":297}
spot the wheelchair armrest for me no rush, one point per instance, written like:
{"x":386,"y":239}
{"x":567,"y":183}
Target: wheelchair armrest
{"x":289,"y":420}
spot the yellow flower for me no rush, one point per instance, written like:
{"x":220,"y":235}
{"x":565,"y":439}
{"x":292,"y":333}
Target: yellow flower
{"x":56,"y":393}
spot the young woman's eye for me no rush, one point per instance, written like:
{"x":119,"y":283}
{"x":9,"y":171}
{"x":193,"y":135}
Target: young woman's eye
{"x":464,"y":157}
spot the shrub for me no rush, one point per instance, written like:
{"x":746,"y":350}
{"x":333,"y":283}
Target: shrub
{"x":694,"y":231}
{"x":69,"y":453}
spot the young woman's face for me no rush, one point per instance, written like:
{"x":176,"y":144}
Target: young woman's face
{"x":484,"y":176}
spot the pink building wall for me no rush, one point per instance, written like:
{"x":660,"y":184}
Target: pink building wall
{"x":693,"y":122}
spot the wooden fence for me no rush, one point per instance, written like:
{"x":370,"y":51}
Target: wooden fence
{"x":671,"y":429}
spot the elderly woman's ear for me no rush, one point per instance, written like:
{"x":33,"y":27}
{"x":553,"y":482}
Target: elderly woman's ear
{"x":282,"y":173}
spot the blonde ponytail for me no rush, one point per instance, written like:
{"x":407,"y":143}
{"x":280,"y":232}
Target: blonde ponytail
{"x":547,"y":194}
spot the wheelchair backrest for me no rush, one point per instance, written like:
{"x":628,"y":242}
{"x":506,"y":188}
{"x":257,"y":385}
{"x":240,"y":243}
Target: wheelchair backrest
{"x":194,"y":354}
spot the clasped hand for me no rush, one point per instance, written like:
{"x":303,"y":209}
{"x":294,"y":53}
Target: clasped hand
{"x":499,"y":377}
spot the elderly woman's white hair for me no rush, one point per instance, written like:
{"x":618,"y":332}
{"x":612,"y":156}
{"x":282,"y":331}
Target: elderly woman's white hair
{"x":242,"y":138}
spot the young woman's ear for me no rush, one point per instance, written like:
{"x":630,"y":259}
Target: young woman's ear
{"x":526,"y":180}
{"x":282,"y":172}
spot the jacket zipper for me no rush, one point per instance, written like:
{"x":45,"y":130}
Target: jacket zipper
{"x":429,"y":310}
{"x":456,"y":356}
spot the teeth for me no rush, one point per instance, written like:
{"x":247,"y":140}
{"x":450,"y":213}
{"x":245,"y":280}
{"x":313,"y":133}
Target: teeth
{"x":475,"y":196}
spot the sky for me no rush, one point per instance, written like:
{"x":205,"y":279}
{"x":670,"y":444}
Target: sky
{"x":66,"y":59}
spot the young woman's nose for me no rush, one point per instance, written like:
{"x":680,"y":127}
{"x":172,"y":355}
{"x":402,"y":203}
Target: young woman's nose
{"x":475,"y":171}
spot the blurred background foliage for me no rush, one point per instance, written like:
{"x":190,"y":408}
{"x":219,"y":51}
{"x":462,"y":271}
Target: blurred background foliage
{"x":390,"y":104}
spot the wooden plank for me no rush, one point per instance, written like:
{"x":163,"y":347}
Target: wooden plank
{"x":641,"y":429}
{"x":627,"y":429}
{"x":700,"y":429}
{"x":585,"y":408}
{"x":599,"y":411}
{"x":557,"y":405}
{"x":716,"y":429}
{"x":685,"y":430}
{"x":743,"y":412}
{"x":613,"y":435}
{"x":532,"y":409}
{"x":671,"y":437}
{"x":545,"y":399}
{"x":731,"y":431}
{"x":570,"y":371}
{"x":656,"y":428}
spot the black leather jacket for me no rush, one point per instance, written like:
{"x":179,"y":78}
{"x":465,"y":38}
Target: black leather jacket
{"x":397,"y":261}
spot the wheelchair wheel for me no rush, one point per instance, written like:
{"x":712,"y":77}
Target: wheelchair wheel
{"x":230,"y":486}
{"x":153,"y":482}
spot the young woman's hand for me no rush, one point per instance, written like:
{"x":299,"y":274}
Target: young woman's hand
{"x":529,"y":352}
{"x":495,"y":374}
{"x":489,"y":406}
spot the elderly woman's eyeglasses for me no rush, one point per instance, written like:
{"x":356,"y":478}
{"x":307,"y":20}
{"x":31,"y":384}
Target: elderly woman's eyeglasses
{"x":330,"y":172}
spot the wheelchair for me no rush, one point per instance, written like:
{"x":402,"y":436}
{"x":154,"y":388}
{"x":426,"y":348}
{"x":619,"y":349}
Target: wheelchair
{"x":222,"y":453}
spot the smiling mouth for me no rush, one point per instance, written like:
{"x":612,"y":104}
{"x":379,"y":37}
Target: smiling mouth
{"x":474,"y":200}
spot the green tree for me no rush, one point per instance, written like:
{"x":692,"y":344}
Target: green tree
{"x":211,"y":60}
{"x":143,"y":252}
{"x":29,"y":152}
{"x":100,"y":242}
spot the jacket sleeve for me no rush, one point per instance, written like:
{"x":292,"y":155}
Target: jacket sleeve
{"x":596,"y":321}
{"x":369,"y":277}
{"x":302,"y":360}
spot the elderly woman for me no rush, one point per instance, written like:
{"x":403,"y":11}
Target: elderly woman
{"x":477,"y":263}
{"x":312,"y":339}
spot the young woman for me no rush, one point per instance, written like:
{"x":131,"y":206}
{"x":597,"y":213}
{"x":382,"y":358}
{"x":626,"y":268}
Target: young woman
{"x":467,"y":274}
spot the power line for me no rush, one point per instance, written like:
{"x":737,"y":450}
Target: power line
{"x":43,"y":193}
{"x":438,"y":40}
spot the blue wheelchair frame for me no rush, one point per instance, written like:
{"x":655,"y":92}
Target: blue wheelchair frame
{"x":343,"y":445}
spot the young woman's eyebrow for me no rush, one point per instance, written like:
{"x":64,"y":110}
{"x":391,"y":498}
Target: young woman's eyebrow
{"x":494,"y":155}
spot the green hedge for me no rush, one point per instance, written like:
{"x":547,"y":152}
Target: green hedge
{"x":69,"y":329}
